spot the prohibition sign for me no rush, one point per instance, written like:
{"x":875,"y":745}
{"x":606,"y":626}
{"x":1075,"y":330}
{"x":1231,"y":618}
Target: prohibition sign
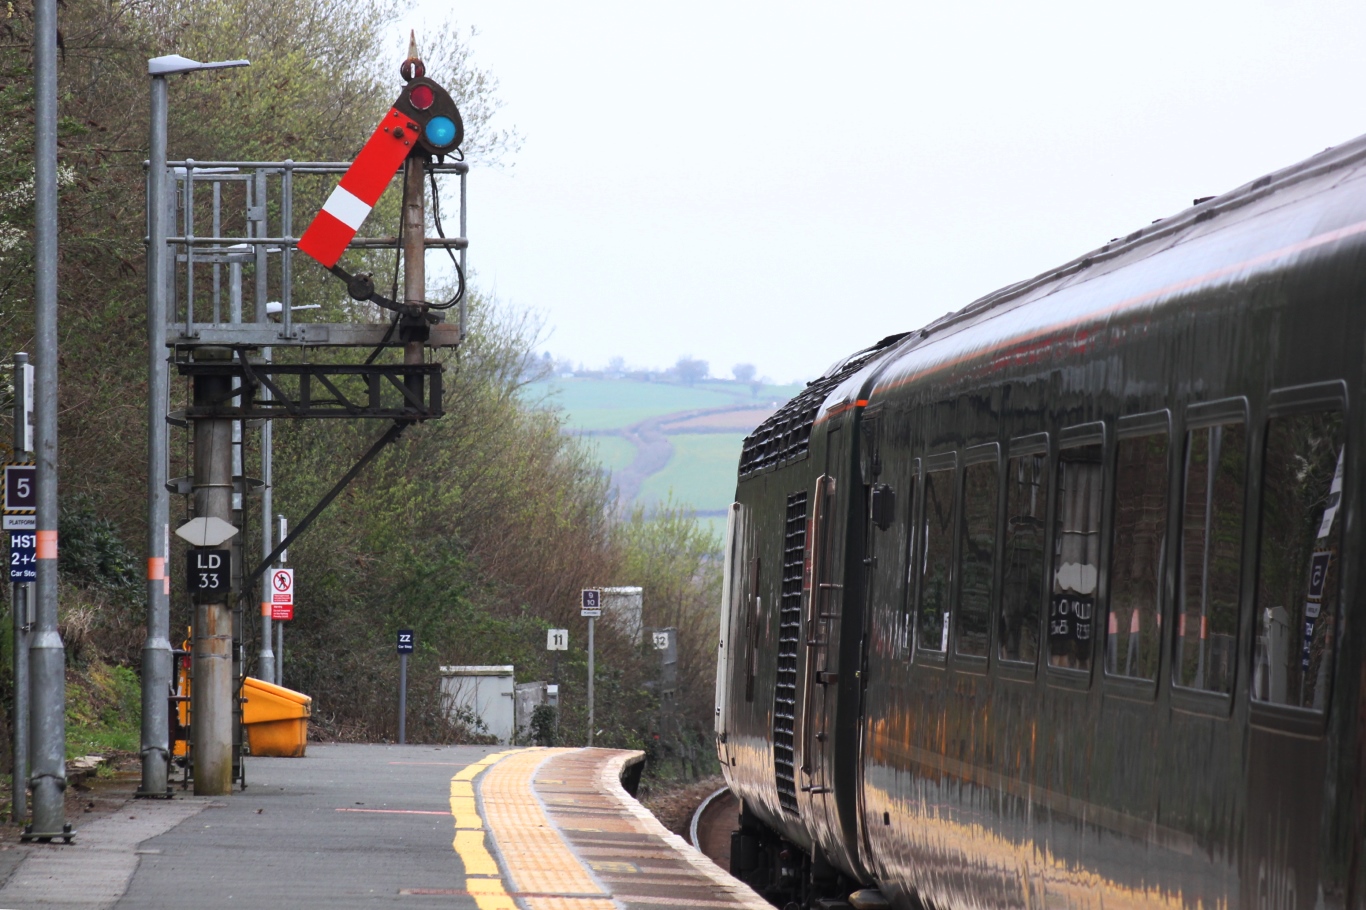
{"x":282,"y":586}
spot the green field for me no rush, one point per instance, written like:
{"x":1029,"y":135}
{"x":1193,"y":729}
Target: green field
{"x":613,"y":452}
{"x":604,"y":404}
{"x":701,"y":473}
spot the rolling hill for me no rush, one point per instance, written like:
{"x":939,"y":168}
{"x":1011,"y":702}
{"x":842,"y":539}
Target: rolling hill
{"x":662,"y":439}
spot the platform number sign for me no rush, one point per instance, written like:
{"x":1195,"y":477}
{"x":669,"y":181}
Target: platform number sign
{"x":23,"y":566}
{"x":591,"y":602}
{"x":21,"y":487}
{"x":209,"y":571}
{"x":405,"y":641}
{"x":557,"y":639}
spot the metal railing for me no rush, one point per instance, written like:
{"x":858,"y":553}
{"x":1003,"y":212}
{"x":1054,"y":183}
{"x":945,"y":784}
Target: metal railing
{"x":249,"y":209}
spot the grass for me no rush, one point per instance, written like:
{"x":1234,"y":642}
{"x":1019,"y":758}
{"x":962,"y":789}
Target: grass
{"x":614,"y":453}
{"x":603,"y":404}
{"x":701,"y":473}
{"x":103,"y":712}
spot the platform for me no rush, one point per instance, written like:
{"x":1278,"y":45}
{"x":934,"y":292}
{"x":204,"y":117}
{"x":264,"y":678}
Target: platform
{"x":364,"y":826}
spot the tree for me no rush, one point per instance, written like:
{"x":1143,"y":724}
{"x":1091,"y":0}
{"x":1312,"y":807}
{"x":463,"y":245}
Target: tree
{"x":691,"y":370}
{"x":744,"y":372}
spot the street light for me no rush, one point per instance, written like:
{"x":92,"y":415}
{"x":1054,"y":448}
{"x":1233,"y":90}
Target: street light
{"x":156,"y":650}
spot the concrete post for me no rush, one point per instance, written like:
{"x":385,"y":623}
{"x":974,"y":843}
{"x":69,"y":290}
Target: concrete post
{"x":211,"y":708}
{"x":47,"y":657}
{"x":156,"y":648}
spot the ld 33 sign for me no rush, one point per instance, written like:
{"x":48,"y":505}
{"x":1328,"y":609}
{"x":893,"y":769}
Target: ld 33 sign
{"x":208,"y":571}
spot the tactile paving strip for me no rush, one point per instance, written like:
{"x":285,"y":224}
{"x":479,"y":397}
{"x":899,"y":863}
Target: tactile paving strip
{"x":641,"y":863}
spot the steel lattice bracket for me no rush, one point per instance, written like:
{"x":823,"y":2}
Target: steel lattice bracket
{"x":407,"y":392}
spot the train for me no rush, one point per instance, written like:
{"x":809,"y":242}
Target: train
{"x":1047,"y":604}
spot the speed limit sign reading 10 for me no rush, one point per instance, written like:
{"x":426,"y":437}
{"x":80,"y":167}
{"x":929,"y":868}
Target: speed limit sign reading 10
{"x":591,"y":602}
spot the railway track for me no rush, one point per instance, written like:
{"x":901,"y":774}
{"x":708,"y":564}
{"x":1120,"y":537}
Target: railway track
{"x":712,"y":823}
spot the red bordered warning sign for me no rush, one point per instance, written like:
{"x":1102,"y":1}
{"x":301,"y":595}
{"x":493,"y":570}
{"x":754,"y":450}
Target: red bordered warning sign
{"x":282,"y":587}
{"x":281,"y":594}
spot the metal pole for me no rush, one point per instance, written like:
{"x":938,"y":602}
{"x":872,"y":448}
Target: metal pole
{"x":464,"y":269}
{"x":19,"y":781}
{"x":267,"y":656}
{"x":258,"y":228}
{"x":402,"y":699}
{"x":156,"y":649}
{"x":280,"y":626}
{"x":590,"y":680}
{"x":238,"y":544}
{"x":211,"y":696}
{"x":414,"y":257}
{"x":46,"y":654}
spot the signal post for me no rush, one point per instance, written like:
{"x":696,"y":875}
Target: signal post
{"x":235,"y":379}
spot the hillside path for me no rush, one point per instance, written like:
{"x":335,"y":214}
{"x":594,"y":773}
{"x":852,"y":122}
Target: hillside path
{"x":653,"y":448}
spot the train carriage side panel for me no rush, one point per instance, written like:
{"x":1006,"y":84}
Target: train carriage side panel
{"x":1026,"y":789}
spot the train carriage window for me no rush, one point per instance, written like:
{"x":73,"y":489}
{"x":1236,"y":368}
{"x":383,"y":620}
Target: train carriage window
{"x":1211,"y":548}
{"x":1298,"y":562}
{"x":936,"y":567}
{"x":1138,"y":543}
{"x":1022,"y":583}
{"x":977,"y":556}
{"x":1076,"y":557}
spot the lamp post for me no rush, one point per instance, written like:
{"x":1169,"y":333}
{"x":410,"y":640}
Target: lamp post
{"x":47,"y":656}
{"x":156,"y":650}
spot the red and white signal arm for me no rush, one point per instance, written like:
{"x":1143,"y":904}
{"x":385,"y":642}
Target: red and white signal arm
{"x":361,"y":186}
{"x":423,"y":121}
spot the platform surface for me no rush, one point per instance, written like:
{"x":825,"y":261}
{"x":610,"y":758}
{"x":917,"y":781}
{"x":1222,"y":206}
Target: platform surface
{"x":365,"y":826}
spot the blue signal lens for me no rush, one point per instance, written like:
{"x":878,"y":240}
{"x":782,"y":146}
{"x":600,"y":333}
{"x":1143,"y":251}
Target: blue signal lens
{"x":440,"y":131}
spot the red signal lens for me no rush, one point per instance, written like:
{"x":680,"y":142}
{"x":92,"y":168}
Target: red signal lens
{"x":421,"y":97}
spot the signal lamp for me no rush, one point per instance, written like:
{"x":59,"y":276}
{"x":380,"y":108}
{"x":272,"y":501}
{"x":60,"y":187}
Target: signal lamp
{"x":421,"y":97}
{"x":427,"y":104}
{"x":440,"y":130}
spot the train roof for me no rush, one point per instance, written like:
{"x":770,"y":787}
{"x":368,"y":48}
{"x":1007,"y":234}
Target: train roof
{"x":1265,"y":224}
{"x":1268,"y":224}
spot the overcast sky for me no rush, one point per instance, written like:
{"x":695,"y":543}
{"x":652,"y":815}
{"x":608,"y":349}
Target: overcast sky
{"x":782,"y":183}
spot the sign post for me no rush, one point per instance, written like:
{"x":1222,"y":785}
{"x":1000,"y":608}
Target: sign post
{"x":405,"y":647}
{"x":23,"y":555}
{"x":556,"y":640}
{"x":591,"y":607}
{"x":283,"y":531}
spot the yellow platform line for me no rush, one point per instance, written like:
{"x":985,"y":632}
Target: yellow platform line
{"x":483,"y":881}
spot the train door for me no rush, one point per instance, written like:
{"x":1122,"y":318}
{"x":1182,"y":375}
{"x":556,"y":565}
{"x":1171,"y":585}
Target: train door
{"x":1295,"y":625}
{"x":883,"y":544}
{"x":824,"y":604}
